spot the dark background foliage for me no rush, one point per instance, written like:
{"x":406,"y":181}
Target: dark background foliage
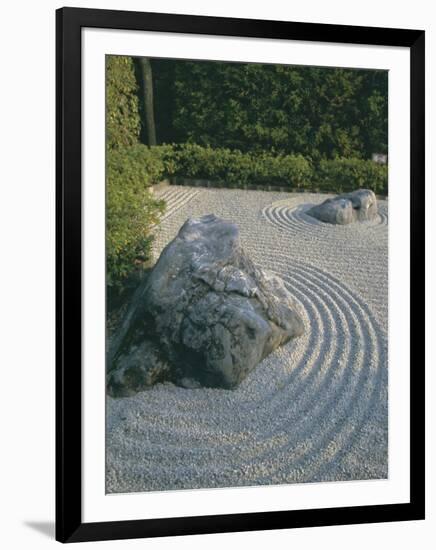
{"x":313,"y":111}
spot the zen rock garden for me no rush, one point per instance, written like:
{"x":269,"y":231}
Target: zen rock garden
{"x":246,"y":287}
{"x":357,"y":206}
{"x":205,"y":316}
{"x":255,"y":336}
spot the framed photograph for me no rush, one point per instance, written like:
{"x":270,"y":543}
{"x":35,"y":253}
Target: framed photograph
{"x":240,"y":275}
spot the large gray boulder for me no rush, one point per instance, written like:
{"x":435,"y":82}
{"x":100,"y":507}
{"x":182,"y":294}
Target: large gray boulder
{"x":212,"y":314}
{"x":357,"y":206}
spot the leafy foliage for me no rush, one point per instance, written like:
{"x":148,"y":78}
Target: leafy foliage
{"x":130,"y":170}
{"x":314,"y":111}
{"x":343,"y":175}
{"x":122,"y":114}
{"x":234,"y":168}
{"x":131,"y":209}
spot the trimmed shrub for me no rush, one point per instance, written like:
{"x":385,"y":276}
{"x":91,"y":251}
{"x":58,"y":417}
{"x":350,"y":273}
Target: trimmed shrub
{"x":131,"y":209}
{"x":122,"y":107}
{"x":232,"y":168}
{"x":343,"y":175}
{"x":236,"y":169}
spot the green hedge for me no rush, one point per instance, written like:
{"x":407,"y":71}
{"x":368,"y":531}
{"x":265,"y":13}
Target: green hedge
{"x":131,"y":209}
{"x":235,"y":169}
{"x":232,"y":168}
{"x":344,"y":175}
{"x":318,"y":112}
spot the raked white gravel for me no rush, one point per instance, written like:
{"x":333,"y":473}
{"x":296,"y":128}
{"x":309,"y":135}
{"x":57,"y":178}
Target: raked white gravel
{"x":315,"y":409}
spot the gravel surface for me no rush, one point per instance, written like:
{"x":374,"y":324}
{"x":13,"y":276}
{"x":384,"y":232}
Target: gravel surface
{"x":315,"y":409}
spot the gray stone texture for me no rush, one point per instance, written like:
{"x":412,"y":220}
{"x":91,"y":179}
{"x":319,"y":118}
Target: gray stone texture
{"x":358,"y":206}
{"x":213,"y":314}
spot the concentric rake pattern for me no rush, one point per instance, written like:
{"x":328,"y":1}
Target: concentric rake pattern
{"x":314,"y":410}
{"x":295,"y":419}
{"x":291,"y":217}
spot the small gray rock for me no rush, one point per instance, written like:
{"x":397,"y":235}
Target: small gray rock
{"x":348,"y":208}
{"x":140,"y":367}
{"x":213,"y":314}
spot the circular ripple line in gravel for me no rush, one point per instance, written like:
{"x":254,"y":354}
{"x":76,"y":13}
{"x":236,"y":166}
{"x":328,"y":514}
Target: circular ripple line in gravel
{"x":299,"y":431}
{"x":311,"y":348}
{"x":292,"y":218}
{"x":366,"y":385}
{"x":315,"y":418}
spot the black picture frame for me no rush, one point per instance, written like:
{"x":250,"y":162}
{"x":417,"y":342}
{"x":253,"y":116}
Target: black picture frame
{"x":69,"y":525}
